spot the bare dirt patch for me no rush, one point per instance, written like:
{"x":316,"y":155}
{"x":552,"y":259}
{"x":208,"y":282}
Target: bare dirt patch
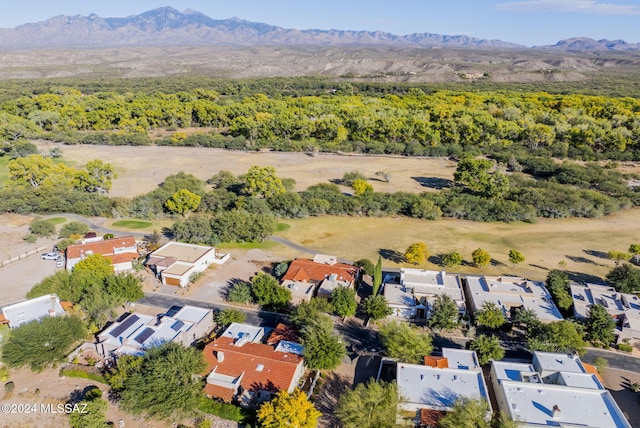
{"x":13,"y":228}
{"x":141,"y":169}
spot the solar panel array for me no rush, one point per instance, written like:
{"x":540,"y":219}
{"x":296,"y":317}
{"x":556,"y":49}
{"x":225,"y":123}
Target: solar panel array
{"x":146,"y":333}
{"x":124,"y":325}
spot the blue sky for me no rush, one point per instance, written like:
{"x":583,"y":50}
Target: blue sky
{"x":529,"y":22}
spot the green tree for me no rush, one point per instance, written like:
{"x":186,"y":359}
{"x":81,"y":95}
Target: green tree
{"x":369,"y":405}
{"x":444,"y":313}
{"x":228,"y":316}
{"x":42,"y":343}
{"x":305,"y":312}
{"x":288,"y":410}
{"x":262,"y":182}
{"x":96,"y":177}
{"x":525,"y":318}
{"x":268,"y":292}
{"x":490,"y":316}
{"x":240,"y":292}
{"x":280,"y":269}
{"x":558,"y":285}
{"x":125,"y":366}
{"x":417,"y":253}
{"x":183,"y":202}
{"x":323,"y":348}
{"x":367,"y":266}
{"x":377,"y":277}
{"x":349,"y":177}
{"x":405,"y":342}
{"x":481,"y":177}
{"x":93,"y":415}
{"x":558,"y":336}
{"x":480,"y":257}
{"x":599,"y":325}
{"x":488,"y":348}
{"x":344,"y":303}
{"x":42,"y":228}
{"x":376,"y":307}
{"x":515,"y":257}
{"x":73,"y":228}
{"x":452,"y":259}
{"x":164,"y":384}
{"x":634,"y":249}
{"x":625,"y":278}
{"x":467,"y":412}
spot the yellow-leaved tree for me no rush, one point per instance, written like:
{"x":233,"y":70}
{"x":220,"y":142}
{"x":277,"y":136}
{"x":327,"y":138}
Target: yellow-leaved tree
{"x":292,"y":410}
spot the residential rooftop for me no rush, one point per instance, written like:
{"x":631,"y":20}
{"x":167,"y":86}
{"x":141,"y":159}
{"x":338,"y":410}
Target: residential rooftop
{"x":249,"y":332}
{"x":437,"y":388}
{"x":431,"y":283}
{"x":557,"y":362}
{"x":533,"y":405}
{"x":182,"y":252}
{"x":32,"y":309}
{"x":509,"y":292}
{"x":461,"y":359}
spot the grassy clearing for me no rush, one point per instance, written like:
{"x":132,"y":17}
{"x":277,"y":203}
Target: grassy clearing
{"x":574,"y":245}
{"x":132,"y":224}
{"x":281,"y":227}
{"x":56,"y":220}
{"x":265,"y":245}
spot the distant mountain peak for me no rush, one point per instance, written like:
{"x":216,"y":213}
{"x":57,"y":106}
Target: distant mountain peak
{"x":168,"y":26}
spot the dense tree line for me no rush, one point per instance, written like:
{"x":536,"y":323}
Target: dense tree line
{"x":412,"y":123}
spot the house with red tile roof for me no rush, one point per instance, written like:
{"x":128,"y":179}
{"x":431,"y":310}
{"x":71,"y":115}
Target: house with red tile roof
{"x":250,"y":372}
{"x":121,"y":251}
{"x":323,"y":272}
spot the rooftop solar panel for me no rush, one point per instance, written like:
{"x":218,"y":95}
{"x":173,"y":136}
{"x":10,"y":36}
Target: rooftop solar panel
{"x":177,"y":325}
{"x":131,"y":319}
{"x":146,"y":333}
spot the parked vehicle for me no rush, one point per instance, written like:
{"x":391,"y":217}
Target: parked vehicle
{"x":50,"y":256}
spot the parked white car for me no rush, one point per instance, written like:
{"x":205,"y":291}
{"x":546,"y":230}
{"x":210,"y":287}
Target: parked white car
{"x":50,"y":256}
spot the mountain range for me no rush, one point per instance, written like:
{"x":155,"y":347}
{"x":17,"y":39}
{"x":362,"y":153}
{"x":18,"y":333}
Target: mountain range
{"x":167,"y":26}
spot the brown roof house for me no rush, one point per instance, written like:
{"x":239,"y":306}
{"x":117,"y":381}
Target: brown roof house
{"x":121,"y":251}
{"x":251,"y":372}
{"x":175,"y":262}
{"x":323,"y":272}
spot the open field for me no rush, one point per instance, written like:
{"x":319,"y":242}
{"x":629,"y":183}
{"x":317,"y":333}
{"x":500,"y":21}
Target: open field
{"x":581,"y":243}
{"x":141,"y":169}
{"x":132,"y":224}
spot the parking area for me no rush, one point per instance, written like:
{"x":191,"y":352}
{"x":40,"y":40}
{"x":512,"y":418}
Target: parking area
{"x":18,"y":278}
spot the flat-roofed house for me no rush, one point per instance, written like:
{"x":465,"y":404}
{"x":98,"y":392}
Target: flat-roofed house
{"x":175,"y":262}
{"x":413,"y":296}
{"x":137,"y":332}
{"x":436,"y":385}
{"x":555,"y":390}
{"x":624,"y":308}
{"x":120,"y":251}
{"x":30,"y":310}
{"x":509,"y":293}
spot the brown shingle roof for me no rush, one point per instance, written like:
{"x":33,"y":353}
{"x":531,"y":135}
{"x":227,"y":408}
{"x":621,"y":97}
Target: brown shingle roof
{"x":105,"y":248}
{"x":308,"y":270}
{"x":276,"y":372}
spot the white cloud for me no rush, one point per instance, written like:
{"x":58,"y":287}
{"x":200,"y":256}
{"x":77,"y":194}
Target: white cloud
{"x":579,"y":6}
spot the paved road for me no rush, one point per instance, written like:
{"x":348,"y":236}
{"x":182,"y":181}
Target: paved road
{"x":616,"y":360}
{"x":260,"y":318}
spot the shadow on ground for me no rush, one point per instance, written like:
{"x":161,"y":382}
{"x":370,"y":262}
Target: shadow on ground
{"x":433,"y":182}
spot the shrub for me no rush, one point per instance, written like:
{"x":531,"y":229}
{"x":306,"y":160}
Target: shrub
{"x":9,"y":386}
{"x":224,"y":410}
{"x":83,"y":375}
{"x":625,"y":348}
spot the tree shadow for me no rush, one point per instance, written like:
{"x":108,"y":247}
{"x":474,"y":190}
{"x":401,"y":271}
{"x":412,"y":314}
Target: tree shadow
{"x":440,"y":342}
{"x":434,"y":182}
{"x":361,"y":338}
{"x":596,"y":253}
{"x":495,"y":262}
{"x":333,"y":387}
{"x":168,"y":233}
{"x":435,"y":259}
{"x":580,"y":259}
{"x":538,"y":266}
{"x":391,"y":255}
{"x":584,"y":277}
